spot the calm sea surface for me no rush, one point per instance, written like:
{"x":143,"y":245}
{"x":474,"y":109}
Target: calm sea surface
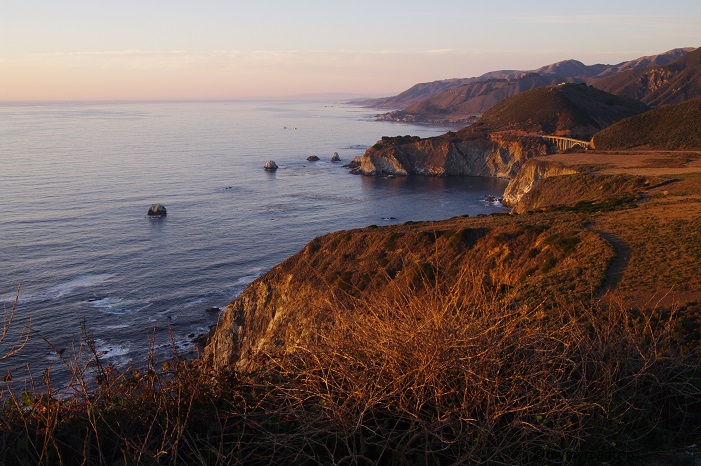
{"x":76,"y":181}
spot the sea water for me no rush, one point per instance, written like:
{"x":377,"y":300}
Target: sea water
{"x":76,"y":180}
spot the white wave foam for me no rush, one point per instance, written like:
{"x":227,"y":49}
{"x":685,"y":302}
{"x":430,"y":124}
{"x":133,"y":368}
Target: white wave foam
{"x":84,"y":281}
{"x":118,"y":306}
{"x":110,"y":351}
{"x":115,"y":327}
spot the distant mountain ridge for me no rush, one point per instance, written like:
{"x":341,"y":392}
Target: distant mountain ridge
{"x":672,"y":83}
{"x":461,"y":101}
{"x":462,"y":105}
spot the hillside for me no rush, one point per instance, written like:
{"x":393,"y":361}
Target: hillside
{"x":573,"y":110}
{"x":435,"y":110}
{"x":675,"y":127}
{"x":676,"y":82}
{"x":524,"y":257}
{"x":505,"y":137}
{"x":414,"y":93}
{"x":462,"y":105}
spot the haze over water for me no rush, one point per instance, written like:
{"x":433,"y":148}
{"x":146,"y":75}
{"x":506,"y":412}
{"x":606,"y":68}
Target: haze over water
{"x":77,"y":180}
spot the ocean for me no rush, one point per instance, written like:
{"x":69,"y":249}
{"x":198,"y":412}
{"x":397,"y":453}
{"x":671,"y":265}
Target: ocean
{"x":76,"y":180}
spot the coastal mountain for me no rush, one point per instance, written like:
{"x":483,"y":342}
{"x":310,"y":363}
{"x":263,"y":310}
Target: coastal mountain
{"x":505,"y":136}
{"x":468,"y":97}
{"x":462,"y":105}
{"x":572,"y":110}
{"x":673,"y":83}
{"x":674,"y":127}
{"x":414,"y":93}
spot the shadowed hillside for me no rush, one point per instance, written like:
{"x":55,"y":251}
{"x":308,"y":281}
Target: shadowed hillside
{"x":673,"y":128}
{"x":574,"y":110}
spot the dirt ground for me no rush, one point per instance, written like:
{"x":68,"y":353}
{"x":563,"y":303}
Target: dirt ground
{"x":658,"y":244}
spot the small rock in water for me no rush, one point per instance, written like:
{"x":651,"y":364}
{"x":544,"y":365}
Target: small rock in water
{"x":212,"y":309}
{"x":270,"y":165}
{"x":157,"y":210}
{"x":336,"y":157}
{"x":313,"y":158}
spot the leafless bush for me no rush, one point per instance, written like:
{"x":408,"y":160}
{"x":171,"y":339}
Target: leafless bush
{"x":457,"y":375}
{"x":454,"y":374}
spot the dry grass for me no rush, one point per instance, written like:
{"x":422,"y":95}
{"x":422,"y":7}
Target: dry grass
{"x":458,"y":373}
{"x":459,"y":376}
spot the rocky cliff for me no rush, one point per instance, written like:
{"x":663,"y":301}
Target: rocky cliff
{"x":583,"y":192}
{"x":496,"y":154}
{"x":350,"y":272}
{"x":530,"y":174}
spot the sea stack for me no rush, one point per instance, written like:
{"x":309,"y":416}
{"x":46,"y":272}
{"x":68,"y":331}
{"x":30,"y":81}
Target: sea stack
{"x":270,"y":165}
{"x":157,"y":210}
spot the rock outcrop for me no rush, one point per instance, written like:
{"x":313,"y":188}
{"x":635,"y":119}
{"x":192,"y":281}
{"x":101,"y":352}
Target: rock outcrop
{"x":497,"y":154}
{"x":157,"y":210}
{"x":532,"y":172}
{"x":270,"y":165}
{"x":335,"y":157}
{"x":313,"y":158}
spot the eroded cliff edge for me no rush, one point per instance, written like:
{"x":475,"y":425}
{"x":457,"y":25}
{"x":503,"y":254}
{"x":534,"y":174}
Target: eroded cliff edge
{"x":514,"y":258}
{"x":495,"y":154}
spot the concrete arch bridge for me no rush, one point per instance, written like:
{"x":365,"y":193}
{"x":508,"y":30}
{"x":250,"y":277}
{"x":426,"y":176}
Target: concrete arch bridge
{"x":564,"y":143}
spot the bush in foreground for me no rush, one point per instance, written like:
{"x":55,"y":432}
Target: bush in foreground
{"x":453,"y":375}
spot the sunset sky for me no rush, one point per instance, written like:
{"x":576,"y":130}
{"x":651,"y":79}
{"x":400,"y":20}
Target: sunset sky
{"x":187,"y":50}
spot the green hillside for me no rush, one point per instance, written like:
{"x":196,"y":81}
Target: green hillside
{"x":675,"y":127}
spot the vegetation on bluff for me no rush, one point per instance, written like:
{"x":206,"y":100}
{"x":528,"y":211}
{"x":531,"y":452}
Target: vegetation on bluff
{"x":454,"y":374}
{"x":676,"y":127}
{"x":574,"y":110}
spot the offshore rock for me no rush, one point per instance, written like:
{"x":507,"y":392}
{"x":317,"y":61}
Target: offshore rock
{"x":157,"y":210}
{"x":270,"y":165}
{"x":355,"y":163}
{"x":336,"y":157}
{"x":313,"y":158}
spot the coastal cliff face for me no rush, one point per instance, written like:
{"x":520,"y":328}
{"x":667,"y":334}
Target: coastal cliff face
{"x":542,"y":184}
{"x":532,"y":172}
{"x":496,"y":154}
{"x":351,"y":272}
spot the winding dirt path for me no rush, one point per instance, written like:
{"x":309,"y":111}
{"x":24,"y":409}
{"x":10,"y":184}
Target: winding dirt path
{"x":618,"y":265}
